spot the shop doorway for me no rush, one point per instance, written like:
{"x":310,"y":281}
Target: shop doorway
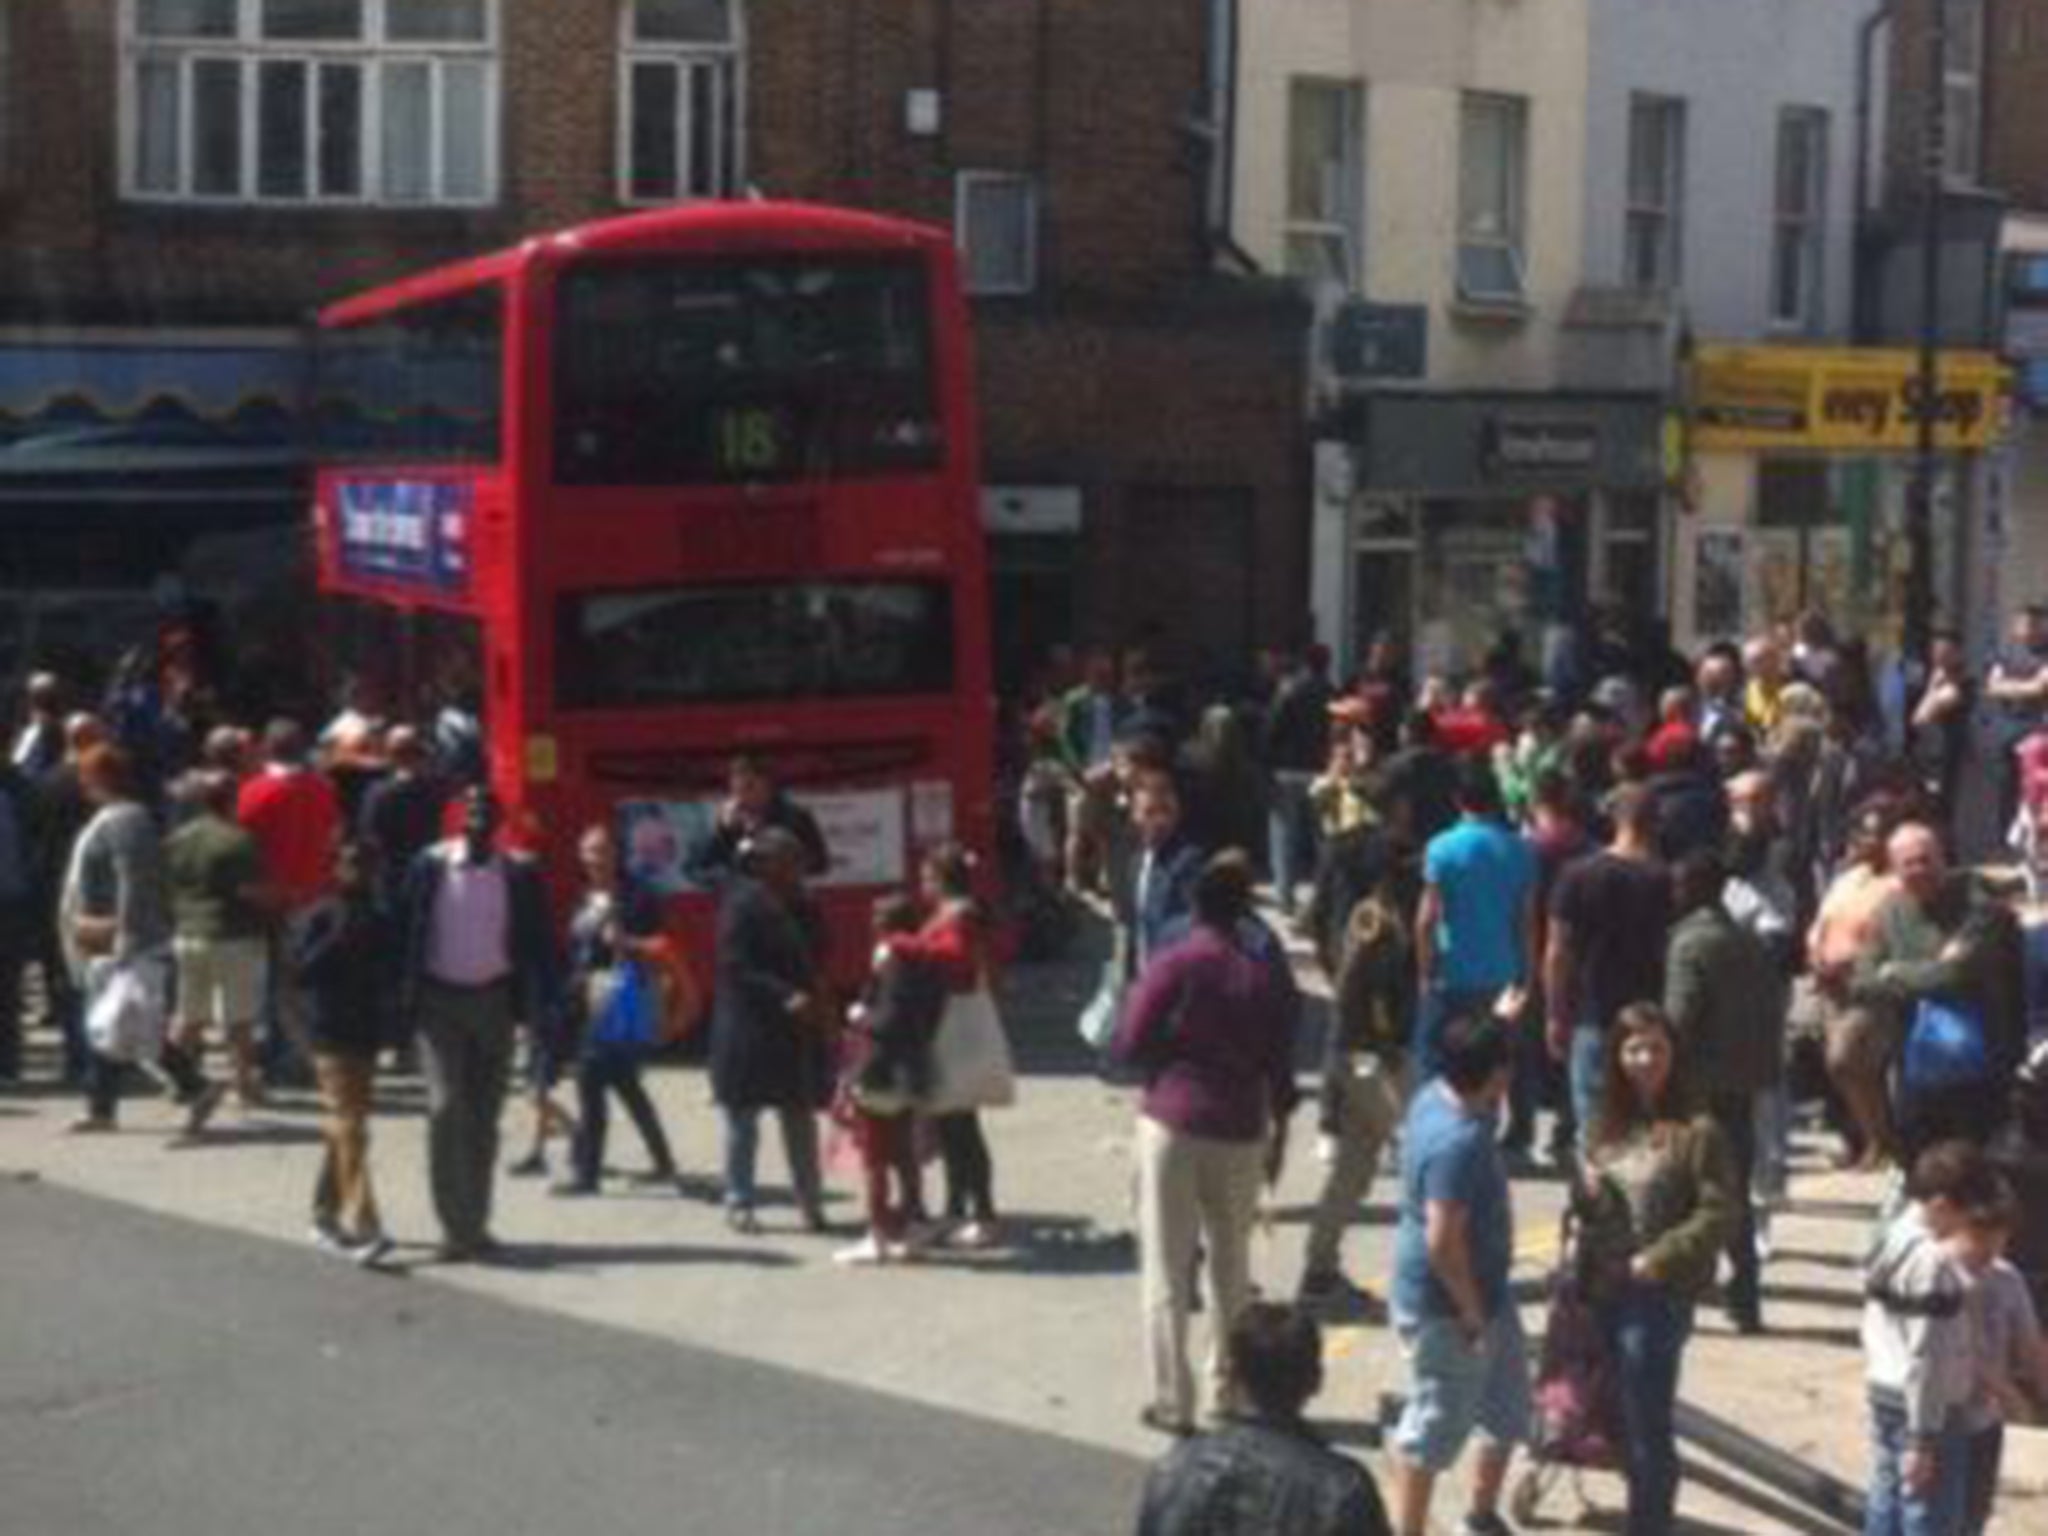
{"x":1382,"y":595}
{"x":1031,"y":584}
{"x":1187,"y":579}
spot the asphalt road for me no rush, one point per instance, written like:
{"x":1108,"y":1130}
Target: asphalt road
{"x":163,"y":1378}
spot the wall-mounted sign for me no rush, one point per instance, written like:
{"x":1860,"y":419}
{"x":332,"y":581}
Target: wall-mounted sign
{"x":1522,"y":448}
{"x":1027,"y":509}
{"x":1842,"y":399}
{"x":1378,"y":341}
{"x":411,"y":533}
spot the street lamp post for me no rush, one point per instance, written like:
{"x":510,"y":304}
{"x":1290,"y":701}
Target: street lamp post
{"x":1919,"y":615}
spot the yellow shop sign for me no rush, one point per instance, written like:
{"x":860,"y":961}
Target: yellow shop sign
{"x":1836,"y":399}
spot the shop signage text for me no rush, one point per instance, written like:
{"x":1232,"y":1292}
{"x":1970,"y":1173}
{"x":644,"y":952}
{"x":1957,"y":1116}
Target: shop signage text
{"x":1521,"y":447}
{"x":1842,"y":400}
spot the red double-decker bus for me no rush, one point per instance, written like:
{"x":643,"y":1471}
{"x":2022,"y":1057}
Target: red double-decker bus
{"x":642,"y":495}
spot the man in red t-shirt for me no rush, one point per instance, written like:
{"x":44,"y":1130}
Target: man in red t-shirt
{"x":1676,"y":737}
{"x":1474,"y":728}
{"x":295,"y":816}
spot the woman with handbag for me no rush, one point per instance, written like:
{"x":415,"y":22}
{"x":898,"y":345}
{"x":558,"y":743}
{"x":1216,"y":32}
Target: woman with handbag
{"x":1656,"y":1202}
{"x":624,"y":982}
{"x":116,"y":926}
{"x":971,"y":1067}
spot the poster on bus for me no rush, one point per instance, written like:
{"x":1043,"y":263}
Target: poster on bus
{"x":863,"y":831}
{"x":656,"y":838}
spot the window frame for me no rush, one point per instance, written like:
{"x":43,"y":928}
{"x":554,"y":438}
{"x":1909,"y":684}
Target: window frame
{"x":1345,"y":223}
{"x":729,"y":65}
{"x":963,"y":183}
{"x":7,"y":94}
{"x":1807,"y":225}
{"x":1962,"y":94}
{"x":369,"y":56}
{"x":1514,"y":110}
{"x":1629,"y":523}
{"x":587,"y":690}
{"x":1663,"y":219}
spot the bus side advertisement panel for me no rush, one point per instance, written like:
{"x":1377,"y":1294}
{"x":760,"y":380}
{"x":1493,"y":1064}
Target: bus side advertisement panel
{"x":413,"y":534}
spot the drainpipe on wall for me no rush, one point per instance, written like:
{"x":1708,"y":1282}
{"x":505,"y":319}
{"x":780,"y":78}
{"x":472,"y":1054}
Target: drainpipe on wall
{"x":1215,"y":135}
{"x":1861,"y":326}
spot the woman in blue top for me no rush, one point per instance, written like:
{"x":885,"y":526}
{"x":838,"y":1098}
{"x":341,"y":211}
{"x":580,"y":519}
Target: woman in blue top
{"x":617,"y":921}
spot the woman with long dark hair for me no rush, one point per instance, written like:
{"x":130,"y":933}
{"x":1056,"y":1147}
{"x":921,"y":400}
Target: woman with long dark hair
{"x":1657,"y":1204}
{"x":970,"y":1059}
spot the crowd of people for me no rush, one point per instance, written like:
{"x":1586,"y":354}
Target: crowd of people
{"x":305,"y":907}
{"x":1623,"y":929}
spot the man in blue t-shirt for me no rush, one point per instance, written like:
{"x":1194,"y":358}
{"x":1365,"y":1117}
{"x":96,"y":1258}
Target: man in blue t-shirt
{"x":1476,"y":922}
{"x":1468,"y":1363}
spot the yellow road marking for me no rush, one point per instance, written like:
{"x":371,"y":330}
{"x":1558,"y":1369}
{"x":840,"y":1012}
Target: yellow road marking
{"x":1343,"y":1340}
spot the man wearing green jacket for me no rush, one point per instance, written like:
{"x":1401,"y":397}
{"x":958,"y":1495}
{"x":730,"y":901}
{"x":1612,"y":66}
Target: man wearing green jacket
{"x":1727,"y":1005}
{"x":1943,"y":937}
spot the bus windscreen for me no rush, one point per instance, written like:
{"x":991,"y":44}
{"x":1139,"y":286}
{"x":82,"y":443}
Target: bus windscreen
{"x":688,"y":371}
{"x":418,"y":385}
{"x":754,"y":642}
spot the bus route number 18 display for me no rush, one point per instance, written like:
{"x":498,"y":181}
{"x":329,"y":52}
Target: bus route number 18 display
{"x":749,"y":442}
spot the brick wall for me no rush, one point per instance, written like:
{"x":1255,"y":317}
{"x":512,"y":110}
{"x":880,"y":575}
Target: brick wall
{"x":1134,"y":367}
{"x":71,"y":250}
{"x":2016,"y":102}
{"x":2015,"y":126}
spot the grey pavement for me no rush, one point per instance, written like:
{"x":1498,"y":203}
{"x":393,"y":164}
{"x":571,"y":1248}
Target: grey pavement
{"x":158,"y":1377}
{"x":1040,"y":1338}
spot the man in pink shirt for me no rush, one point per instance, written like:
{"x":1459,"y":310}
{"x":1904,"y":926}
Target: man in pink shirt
{"x":479,"y":959}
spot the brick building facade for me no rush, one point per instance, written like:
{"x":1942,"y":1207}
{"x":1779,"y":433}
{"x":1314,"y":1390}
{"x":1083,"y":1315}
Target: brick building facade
{"x":1998,"y":83}
{"x":1125,"y":377}
{"x":1994,"y":273}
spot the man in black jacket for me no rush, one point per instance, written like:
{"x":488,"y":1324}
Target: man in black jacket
{"x":1264,"y":1473}
{"x":1297,"y":746}
{"x":479,"y":958}
{"x":754,"y":803}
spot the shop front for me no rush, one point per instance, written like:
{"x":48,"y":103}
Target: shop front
{"x":1446,"y":520}
{"x":144,"y":475}
{"x":1034,"y":559}
{"x":1799,"y":471}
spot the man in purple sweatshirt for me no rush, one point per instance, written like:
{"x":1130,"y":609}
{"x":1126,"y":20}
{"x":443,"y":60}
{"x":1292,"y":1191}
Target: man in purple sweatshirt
{"x":1210,"y":1027}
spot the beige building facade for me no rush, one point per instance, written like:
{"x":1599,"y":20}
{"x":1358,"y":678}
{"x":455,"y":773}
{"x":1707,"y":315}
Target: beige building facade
{"x":1412,"y":67}
{"x":1420,"y":164}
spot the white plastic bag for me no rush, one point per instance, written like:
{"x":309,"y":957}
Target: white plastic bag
{"x":127,"y":1007}
{"x":1098,"y":1021}
{"x":971,"y":1065}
